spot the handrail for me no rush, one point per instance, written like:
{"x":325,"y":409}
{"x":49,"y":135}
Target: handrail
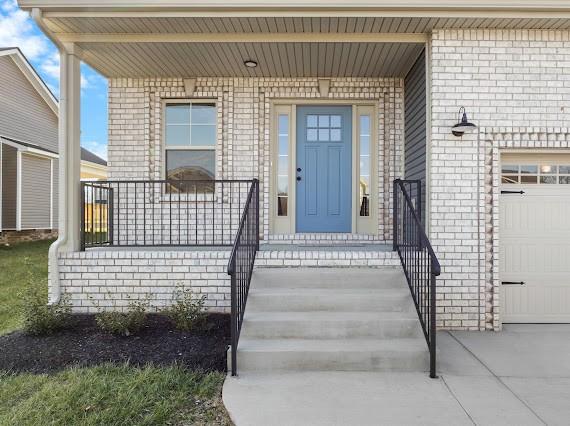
{"x":240,"y":265}
{"x":419,"y":261}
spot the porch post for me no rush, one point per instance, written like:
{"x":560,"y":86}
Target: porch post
{"x":69,"y":165}
{"x":69,"y":148}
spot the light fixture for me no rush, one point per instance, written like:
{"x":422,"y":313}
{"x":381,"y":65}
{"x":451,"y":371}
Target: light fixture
{"x":464,"y":126}
{"x":250,"y":63}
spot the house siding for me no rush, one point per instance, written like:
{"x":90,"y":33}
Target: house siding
{"x":24,"y":116}
{"x":515,"y":85}
{"x":415,"y":129}
{"x":36,"y":192}
{"x":9,"y":186}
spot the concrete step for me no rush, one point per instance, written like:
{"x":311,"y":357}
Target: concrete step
{"x":338,"y":278}
{"x":330,"y":325}
{"x":340,"y":355}
{"x":336,"y":300}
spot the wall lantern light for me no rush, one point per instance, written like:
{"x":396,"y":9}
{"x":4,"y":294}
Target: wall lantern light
{"x":463,"y":126}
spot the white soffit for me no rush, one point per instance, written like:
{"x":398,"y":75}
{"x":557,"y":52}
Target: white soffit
{"x":183,"y":60}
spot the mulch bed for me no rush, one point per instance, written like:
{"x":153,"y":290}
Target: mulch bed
{"x":84,"y":344}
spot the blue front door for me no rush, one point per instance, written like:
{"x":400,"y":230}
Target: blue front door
{"x":324,"y":169}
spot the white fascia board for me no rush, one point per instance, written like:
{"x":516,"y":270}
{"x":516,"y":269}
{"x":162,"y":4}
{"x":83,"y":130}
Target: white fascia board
{"x":208,"y":5}
{"x":29,"y":149}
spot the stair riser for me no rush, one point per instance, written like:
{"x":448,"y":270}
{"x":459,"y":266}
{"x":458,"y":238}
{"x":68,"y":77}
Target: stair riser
{"x":316,"y":329}
{"x":284,"y":280}
{"x":333,"y":361}
{"x":344,"y":303}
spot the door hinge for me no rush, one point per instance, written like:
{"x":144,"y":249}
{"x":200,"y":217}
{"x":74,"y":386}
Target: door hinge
{"x":512,"y":282}
{"x":512,"y":192}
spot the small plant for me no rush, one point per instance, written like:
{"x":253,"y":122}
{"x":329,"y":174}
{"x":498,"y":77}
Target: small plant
{"x":39,"y":318}
{"x":124,"y":323}
{"x":187,"y":311}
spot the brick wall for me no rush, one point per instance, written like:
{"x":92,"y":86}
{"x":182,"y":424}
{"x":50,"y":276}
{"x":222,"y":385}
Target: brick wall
{"x":109,"y":279}
{"x":514,"y":82}
{"x":244,"y":109}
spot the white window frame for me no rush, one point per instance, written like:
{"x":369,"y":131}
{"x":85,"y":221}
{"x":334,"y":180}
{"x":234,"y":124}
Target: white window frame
{"x":188,"y":101}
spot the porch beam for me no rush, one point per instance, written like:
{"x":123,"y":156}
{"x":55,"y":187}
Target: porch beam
{"x":243,"y":38}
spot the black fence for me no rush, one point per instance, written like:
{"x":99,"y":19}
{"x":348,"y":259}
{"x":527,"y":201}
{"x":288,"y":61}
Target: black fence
{"x":418,"y":259}
{"x":139,"y":213}
{"x":240,"y":266}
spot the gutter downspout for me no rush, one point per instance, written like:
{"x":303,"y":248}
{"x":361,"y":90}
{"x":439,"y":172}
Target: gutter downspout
{"x":62,"y":238}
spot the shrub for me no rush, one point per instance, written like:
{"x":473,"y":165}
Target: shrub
{"x":187,"y":312}
{"x":124,"y":323}
{"x":39,"y":318}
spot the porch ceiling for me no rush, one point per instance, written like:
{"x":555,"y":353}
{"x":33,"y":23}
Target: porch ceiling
{"x":274,"y":59}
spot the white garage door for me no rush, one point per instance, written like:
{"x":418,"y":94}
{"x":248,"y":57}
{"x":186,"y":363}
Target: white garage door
{"x":535,"y":238}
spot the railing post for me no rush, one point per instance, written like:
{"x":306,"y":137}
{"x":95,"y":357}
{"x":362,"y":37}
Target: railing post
{"x":110,"y":215}
{"x":82,"y":233}
{"x":256,"y":183}
{"x":395,"y":218}
{"x":420,"y":201}
{"x":234,"y":314}
{"x":432,"y":326}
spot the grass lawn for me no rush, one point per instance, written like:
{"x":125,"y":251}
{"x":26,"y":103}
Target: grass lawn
{"x":19,"y":263}
{"x":109,"y":394}
{"x":113,"y":395}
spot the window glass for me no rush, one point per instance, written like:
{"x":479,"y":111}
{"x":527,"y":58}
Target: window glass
{"x":528,"y":169}
{"x":543,"y":174}
{"x":190,"y":140}
{"x":283,"y":163}
{"x":364,"y":164}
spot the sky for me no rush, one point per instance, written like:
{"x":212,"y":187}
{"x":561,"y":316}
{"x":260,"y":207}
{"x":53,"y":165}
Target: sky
{"x":18,"y":29}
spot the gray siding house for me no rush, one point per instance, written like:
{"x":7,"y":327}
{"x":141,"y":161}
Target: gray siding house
{"x":28,"y":147}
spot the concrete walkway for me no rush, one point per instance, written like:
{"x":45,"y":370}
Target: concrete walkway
{"x":520,"y":376}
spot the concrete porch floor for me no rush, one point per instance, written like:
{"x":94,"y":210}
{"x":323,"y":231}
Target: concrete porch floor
{"x":520,"y":376}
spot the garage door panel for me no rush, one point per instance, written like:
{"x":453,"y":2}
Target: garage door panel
{"x":534,"y":230}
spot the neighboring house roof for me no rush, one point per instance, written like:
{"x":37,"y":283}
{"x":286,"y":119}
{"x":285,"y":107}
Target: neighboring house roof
{"x":87,"y":155}
{"x":28,"y":147}
{"x":31,"y":74}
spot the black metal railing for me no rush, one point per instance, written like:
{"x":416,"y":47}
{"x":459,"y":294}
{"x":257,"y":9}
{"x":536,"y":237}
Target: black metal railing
{"x":418,"y":259}
{"x":96,"y":218}
{"x":240,"y":265}
{"x":135,"y":213}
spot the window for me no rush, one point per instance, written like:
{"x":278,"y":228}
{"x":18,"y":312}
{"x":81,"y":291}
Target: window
{"x":364,"y":166}
{"x":283,"y":165}
{"x":324,"y":128}
{"x":190,"y":143}
{"x":535,"y":174}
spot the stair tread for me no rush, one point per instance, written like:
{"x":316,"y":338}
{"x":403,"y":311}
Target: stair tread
{"x":417,"y":344}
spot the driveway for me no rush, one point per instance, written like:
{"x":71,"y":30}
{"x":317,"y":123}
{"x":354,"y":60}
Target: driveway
{"x":520,"y":376}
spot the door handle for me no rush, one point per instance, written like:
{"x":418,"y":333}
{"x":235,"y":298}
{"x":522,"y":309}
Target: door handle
{"x":298,"y":178}
{"x":512,"y":282}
